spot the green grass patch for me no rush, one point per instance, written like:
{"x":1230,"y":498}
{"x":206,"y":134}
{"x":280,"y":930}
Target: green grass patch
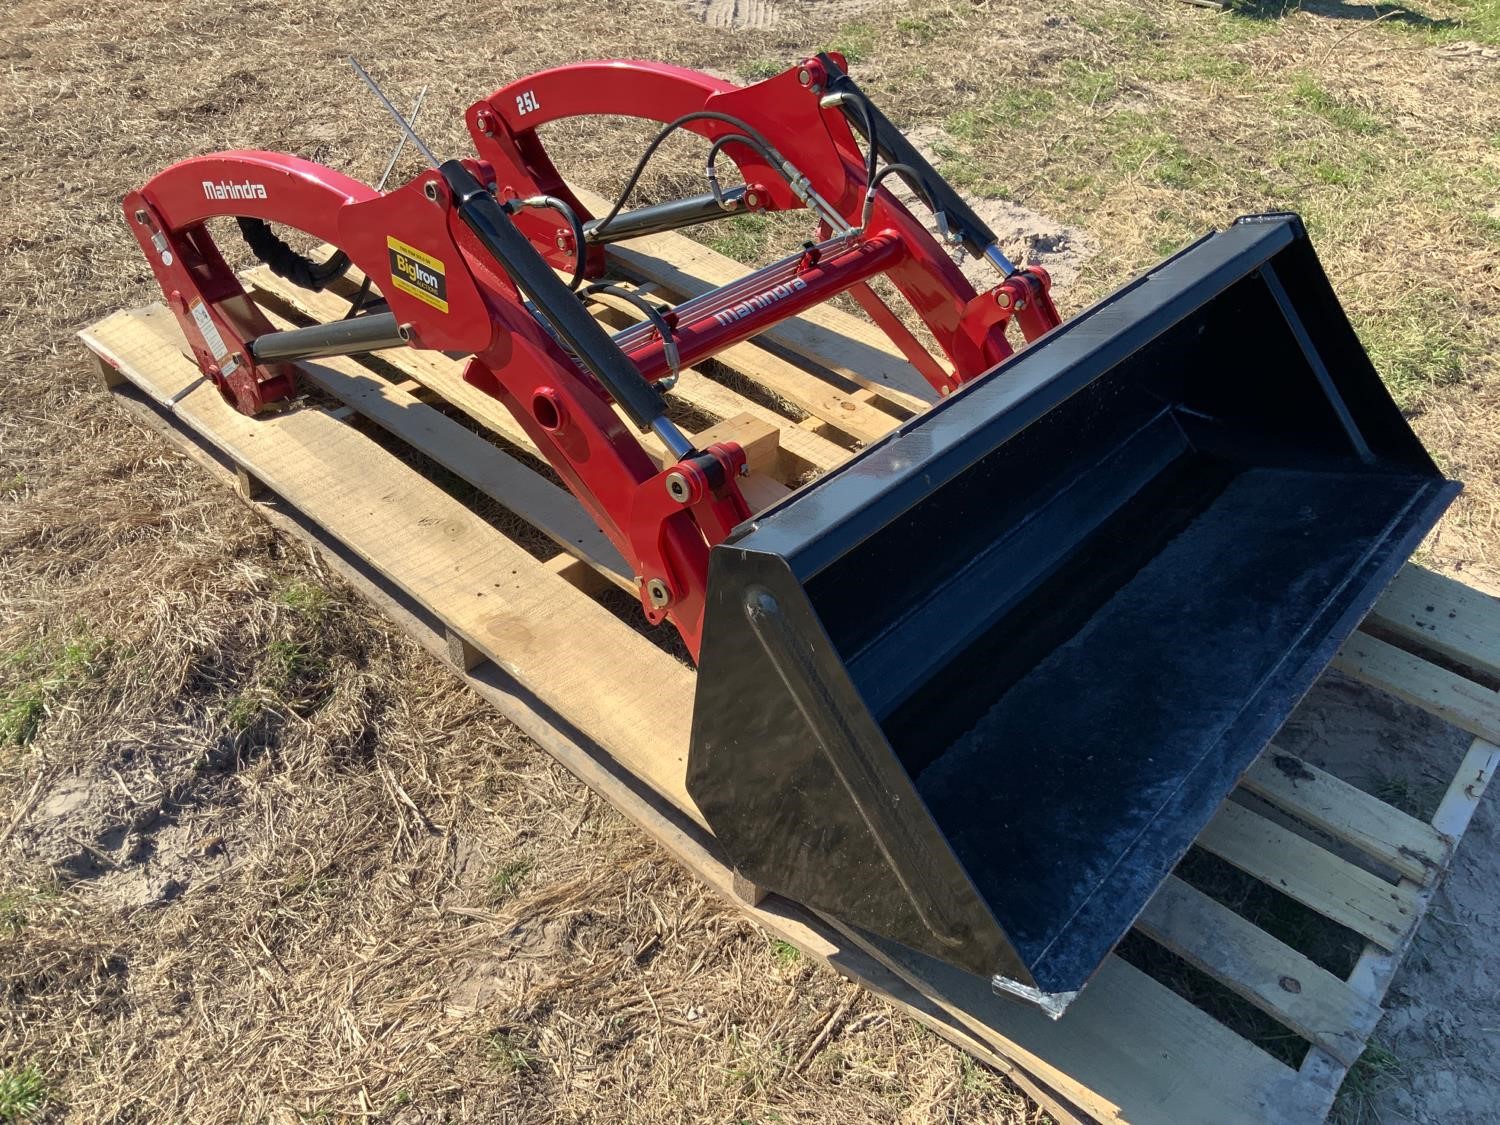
{"x":19,"y":905}
{"x":1375,"y":1069}
{"x":37,"y":676}
{"x":507,"y":879}
{"x":508,"y":1053}
{"x":1088,"y":85}
{"x":785,"y":953}
{"x":23,"y":1093}
{"x":855,"y":41}
{"x":757,"y":70}
{"x":741,"y":237}
{"x":1308,"y":95}
{"x":1416,"y":349}
{"x":305,"y":599}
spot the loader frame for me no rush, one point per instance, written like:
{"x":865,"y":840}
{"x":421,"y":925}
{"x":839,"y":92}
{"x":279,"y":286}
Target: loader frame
{"x":461,"y":273}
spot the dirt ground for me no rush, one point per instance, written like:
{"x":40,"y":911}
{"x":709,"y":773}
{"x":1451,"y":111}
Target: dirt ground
{"x":261,"y":859}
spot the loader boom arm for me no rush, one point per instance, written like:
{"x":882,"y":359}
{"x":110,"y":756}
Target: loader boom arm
{"x":464,"y":258}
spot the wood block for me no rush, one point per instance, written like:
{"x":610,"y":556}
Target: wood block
{"x":760,"y":439}
{"x":247,"y":484}
{"x":462,"y":653}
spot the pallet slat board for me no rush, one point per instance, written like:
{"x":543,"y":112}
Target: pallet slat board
{"x":1129,"y":1049}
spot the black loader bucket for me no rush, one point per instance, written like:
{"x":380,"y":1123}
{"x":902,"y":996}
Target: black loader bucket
{"x":978,"y":689}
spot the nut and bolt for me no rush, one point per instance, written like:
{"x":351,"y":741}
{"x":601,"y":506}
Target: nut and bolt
{"x":677,"y":488}
{"x":657,"y":592}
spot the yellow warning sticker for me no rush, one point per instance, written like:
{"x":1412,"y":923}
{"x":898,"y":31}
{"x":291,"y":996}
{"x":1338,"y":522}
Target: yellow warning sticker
{"x":417,"y":274}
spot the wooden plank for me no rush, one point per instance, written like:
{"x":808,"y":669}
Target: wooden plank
{"x":1467,"y":705}
{"x":1127,"y":1050}
{"x":1312,"y":875}
{"x":480,"y":584}
{"x":1401,"y":842}
{"x":684,"y":841}
{"x":544,"y":505}
{"x":1271,"y":975}
{"x":806,"y":452}
{"x":827,"y":336}
{"x":1444,"y":617}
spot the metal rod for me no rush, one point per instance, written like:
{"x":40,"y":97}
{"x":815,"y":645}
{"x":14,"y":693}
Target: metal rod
{"x":416,"y":111}
{"x":394,"y":112}
{"x":659,"y":217}
{"x":342,"y":337}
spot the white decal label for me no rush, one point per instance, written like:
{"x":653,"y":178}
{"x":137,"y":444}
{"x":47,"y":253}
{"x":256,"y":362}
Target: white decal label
{"x":225,"y":189}
{"x":526,"y":102}
{"x":209,"y":329}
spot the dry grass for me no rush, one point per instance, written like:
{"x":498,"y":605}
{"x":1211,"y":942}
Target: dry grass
{"x":263,"y":859}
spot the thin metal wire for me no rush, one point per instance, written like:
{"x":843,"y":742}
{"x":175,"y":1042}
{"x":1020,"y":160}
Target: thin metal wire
{"x":393,"y":111}
{"x":416,"y":111}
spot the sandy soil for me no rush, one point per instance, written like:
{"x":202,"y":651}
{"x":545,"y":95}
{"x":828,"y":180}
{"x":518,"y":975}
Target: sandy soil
{"x":1434,"y":1061}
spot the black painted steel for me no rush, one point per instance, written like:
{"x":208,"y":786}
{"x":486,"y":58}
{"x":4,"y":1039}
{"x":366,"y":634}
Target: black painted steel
{"x":369,"y":333}
{"x":979,"y":689}
{"x":673,"y":215}
{"x":514,"y":254}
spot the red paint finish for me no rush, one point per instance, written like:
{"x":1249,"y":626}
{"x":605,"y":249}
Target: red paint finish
{"x":448,"y":294}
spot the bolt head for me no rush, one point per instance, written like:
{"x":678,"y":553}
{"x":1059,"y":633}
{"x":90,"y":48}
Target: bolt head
{"x":657,"y":592}
{"x":486,"y":123}
{"x":677,"y":488}
{"x":946,"y":391}
{"x":804,"y":76}
{"x":1002,"y":298}
{"x":430,"y":190}
{"x":751,"y":199}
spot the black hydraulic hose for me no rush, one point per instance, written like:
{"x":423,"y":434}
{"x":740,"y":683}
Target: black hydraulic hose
{"x":652,"y":313}
{"x":580,"y":254}
{"x":285,"y":262}
{"x":907,"y":173}
{"x":753,"y":137}
{"x":359,"y":299}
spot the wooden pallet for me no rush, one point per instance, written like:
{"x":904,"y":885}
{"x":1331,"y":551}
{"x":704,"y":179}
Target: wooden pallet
{"x":510,"y":616}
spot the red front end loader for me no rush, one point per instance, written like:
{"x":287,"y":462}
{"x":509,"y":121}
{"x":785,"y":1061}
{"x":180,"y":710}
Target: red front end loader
{"x":977,"y":689}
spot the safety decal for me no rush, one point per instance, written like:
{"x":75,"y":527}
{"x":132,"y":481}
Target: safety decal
{"x":209,"y":329}
{"x":417,"y":274}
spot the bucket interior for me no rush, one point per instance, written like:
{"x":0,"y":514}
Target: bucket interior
{"x":1076,"y":632}
{"x":1057,"y":620}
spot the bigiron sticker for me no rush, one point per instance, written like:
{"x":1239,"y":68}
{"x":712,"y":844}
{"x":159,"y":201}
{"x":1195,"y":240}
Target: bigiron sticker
{"x":417,"y":274}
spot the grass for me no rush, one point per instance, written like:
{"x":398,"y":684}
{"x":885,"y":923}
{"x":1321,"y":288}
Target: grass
{"x":23,"y":1093}
{"x":40,"y":677}
{"x":1375,"y":1069}
{"x":507,"y":878}
{"x":20,"y":904}
{"x":1313,"y":98}
{"x":785,"y":953}
{"x":508,"y":1053}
